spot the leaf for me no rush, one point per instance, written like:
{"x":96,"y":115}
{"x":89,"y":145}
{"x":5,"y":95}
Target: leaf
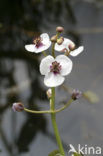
{"x":55,"y":153}
{"x":91,"y":96}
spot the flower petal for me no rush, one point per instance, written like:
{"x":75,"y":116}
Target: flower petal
{"x":45,"y":38}
{"x":64,"y":45}
{"x":30,"y":47}
{"x":59,"y":47}
{"x":43,"y":47}
{"x":45,"y":64}
{"x":66,"y":64}
{"x":52,"y":80}
{"x":33,"y":48}
{"x":77,"y":51}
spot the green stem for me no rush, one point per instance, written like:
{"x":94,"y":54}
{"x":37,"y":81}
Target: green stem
{"x":65,"y":106}
{"x":37,"y":112}
{"x":67,"y":53}
{"x":53,"y":51}
{"x":53,"y":45}
{"x":49,"y":111}
{"x":53,"y":118}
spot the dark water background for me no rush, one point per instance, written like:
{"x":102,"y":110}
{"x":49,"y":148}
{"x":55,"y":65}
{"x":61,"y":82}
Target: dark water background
{"x":23,"y":134}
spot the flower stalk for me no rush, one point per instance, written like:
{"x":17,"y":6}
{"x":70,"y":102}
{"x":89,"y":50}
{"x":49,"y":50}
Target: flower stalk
{"x":52,"y":108}
{"x":50,"y":111}
{"x":53,"y":44}
{"x":53,"y":52}
{"x":53,"y":118}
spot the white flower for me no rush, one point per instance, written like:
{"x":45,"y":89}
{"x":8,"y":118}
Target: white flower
{"x":55,"y":69}
{"x":65,"y":47}
{"x":39,"y":44}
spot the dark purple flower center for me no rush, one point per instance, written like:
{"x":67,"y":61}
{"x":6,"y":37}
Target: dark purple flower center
{"x":38,"y":42}
{"x":55,"y":67}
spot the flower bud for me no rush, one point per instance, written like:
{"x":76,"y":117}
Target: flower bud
{"x":54,"y":38}
{"x":60,"y":40}
{"x":49,"y":93}
{"x":18,"y":106}
{"x":76,"y":94}
{"x":59,"y":29}
{"x":71,"y":46}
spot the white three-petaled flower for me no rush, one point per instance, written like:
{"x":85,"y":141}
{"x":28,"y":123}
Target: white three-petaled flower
{"x":39,"y":44}
{"x":65,"y":46}
{"x":55,"y":69}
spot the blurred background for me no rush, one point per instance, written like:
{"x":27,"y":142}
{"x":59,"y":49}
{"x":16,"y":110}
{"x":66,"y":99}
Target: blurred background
{"x":23,"y":134}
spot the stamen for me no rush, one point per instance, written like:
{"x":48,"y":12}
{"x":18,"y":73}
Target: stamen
{"x":38,"y":42}
{"x":55,"y":67}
